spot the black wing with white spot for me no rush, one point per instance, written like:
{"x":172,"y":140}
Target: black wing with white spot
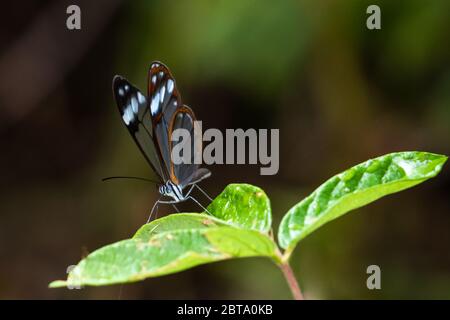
{"x":164,"y":101}
{"x":135,"y":113}
{"x":168,"y":114}
{"x":152,"y":120}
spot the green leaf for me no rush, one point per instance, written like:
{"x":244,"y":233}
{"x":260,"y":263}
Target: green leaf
{"x":178,"y":221}
{"x":168,"y":245}
{"x":245,"y":206}
{"x":354,"y":188}
{"x":242,"y":243}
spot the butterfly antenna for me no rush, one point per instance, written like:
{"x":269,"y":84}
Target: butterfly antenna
{"x":132,"y":178}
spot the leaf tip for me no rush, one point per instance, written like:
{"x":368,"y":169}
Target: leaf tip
{"x":439,"y":163}
{"x":57,"y":284}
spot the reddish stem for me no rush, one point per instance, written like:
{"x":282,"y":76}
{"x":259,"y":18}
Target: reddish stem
{"x":292,"y":281}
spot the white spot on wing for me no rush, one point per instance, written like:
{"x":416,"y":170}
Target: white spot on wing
{"x":121,"y":92}
{"x":154,"y":106}
{"x":134,"y":104}
{"x":170,"y":86}
{"x":141,"y":98}
{"x":127,"y":87}
{"x":128,"y":115}
{"x":162,"y":93}
{"x":153,"y":79}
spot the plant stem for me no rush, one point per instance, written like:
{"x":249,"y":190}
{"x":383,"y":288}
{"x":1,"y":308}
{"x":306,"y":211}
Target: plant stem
{"x":292,"y":282}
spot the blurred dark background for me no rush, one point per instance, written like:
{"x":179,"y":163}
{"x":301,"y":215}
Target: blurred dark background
{"x":338,"y":92}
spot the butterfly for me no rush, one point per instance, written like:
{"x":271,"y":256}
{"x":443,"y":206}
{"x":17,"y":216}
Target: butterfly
{"x":151,"y":120}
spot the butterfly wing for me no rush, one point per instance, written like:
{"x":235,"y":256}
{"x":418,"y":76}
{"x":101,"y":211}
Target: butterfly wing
{"x":168,"y":114}
{"x":183,"y":174}
{"x":164,"y":101}
{"x":135,"y":113}
{"x":197,"y":176}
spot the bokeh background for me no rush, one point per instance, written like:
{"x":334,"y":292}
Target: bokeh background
{"x":338,"y":92}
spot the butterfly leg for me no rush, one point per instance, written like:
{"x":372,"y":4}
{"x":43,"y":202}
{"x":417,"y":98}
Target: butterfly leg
{"x":189,"y":191}
{"x":195,"y":200}
{"x":153,"y":209}
{"x":202,"y":191}
{"x":173,"y":202}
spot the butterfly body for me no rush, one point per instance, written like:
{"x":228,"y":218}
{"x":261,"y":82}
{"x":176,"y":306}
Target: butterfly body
{"x":169,"y":189}
{"x":151,"y":120}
